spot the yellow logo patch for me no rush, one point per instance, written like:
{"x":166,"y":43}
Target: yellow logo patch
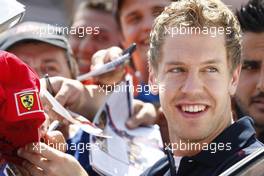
{"x":27,"y":100}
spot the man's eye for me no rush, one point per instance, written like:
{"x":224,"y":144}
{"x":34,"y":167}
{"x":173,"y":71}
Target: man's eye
{"x":249,"y":67}
{"x":51,"y":69}
{"x":211,"y":69}
{"x":176,"y":70}
{"x":134,"y":19}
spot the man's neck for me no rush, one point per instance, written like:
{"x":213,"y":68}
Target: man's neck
{"x":192,"y":148}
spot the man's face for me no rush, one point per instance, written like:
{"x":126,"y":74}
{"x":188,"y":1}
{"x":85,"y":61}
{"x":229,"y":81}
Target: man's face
{"x":195,"y":86}
{"x":136,"y":20}
{"x":250,"y":92}
{"x":43,"y":58}
{"x":104,"y":34}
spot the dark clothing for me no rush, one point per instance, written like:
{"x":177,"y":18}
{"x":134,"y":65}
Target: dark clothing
{"x":261,"y":137}
{"x":240,"y":113}
{"x":2,"y":168}
{"x":241,"y":136}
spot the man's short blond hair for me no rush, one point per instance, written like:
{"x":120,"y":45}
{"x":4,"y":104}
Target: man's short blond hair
{"x":197,"y":15}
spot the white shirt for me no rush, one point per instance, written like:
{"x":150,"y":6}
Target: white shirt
{"x":177,"y":160}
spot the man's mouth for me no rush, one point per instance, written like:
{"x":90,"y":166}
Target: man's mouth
{"x":192,"y":110}
{"x":259,"y":102}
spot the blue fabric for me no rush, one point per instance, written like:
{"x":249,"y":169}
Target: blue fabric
{"x":146,"y":96}
{"x":2,"y":167}
{"x":82,"y":156}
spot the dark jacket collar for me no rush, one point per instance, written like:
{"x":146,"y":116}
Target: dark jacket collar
{"x":238,"y":135}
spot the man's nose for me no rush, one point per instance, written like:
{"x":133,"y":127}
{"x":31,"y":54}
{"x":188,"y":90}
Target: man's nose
{"x":147,"y":23}
{"x":192,"y":84}
{"x":260,"y":85}
{"x":41,"y":73}
{"x":87,"y":48}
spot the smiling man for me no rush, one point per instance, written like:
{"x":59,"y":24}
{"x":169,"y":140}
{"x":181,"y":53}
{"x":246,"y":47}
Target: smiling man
{"x":197,"y":73}
{"x":105,"y":32}
{"x":135,"y":21}
{"x":250,"y":92}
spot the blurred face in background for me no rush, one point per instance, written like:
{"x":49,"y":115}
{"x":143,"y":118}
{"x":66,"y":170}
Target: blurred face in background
{"x":250,"y":93}
{"x":136,"y":20}
{"x":43,"y":58}
{"x":102,"y":33}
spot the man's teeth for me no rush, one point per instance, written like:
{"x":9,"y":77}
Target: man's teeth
{"x":193,"y":108}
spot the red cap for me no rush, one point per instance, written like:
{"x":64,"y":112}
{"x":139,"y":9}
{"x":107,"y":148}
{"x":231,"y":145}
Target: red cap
{"x":21,"y":112}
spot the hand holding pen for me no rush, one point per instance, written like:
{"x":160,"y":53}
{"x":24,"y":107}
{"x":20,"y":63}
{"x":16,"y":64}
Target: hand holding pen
{"x":110,"y":61}
{"x":66,"y":114}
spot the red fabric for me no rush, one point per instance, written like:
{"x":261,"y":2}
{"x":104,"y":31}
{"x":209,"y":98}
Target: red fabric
{"x":21,"y":112}
{"x":89,"y":82}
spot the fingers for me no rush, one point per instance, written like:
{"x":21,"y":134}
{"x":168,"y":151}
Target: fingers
{"x":63,"y":94}
{"x":104,"y":56}
{"x":64,"y":89}
{"x":32,"y":157}
{"x":98,"y":59}
{"x":72,"y":94}
{"x":136,"y":120}
{"x":137,"y":106}
{"x":112,"y":77}
{"x":22,"y":170}
{"x":143,"y":114}
{"x":46,"y":160}
{"x":56,"y":82}
{"x":39,"y":149}
{"x":113,"y":53}
{"x":44,"y":127}
{"x":55,"y":116}
{"x":56,"y":140}
{"x":33,"y":170}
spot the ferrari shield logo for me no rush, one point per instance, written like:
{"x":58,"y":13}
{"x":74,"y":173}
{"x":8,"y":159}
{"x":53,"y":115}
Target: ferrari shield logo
{"x":27,"y":101}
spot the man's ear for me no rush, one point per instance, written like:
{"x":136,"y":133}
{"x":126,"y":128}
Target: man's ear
{"x":234,"y":80}
{"x":153,"y":81}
